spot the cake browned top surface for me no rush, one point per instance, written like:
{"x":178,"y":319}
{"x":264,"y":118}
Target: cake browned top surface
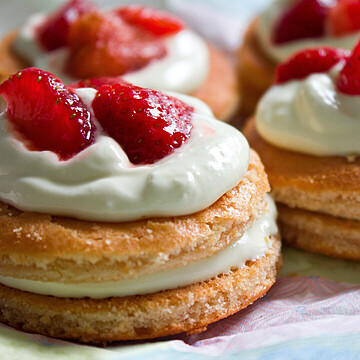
{"x":334,"y":173}
{"x":252,"y":53}
{"x":220,"y":88}
{"x":9,"y":62}
{"x":328,"y":184}
{"x":256,"y":70}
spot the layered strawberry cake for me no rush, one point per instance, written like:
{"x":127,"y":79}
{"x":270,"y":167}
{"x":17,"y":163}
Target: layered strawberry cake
{"x":288,"y":26}
{"x":126,"y":213}
{"x":307,"y":131}
{"x":145,"y":46}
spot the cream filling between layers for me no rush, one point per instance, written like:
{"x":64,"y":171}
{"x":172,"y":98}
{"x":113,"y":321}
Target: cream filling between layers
{"x":311,"y":116}
{"x":280,"y":52}
{"x":251,"y":246}
{"x":183,"y":69}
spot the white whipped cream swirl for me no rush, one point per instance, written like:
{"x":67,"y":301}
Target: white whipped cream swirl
{"x":311,"y":116}
{"x":183,"y":69}
{"x":101,"y":184}
{"x":280,"y":52}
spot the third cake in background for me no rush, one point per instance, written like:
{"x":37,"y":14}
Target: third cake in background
{"x":145,"y":46}
{"x":288,"y":26}
{"x":307,"y":132}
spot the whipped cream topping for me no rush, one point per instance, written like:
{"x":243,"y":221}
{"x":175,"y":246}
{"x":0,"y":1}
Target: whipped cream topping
{"x":183,"y":69}
{"x":311,"y":116}
{"x":251,"y":246}
{"x":280,"y":52}
{"x":101,"y":184}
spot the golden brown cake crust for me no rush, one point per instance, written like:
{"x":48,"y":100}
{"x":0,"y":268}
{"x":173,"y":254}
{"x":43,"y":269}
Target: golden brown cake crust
{"x":44,"y":247}
{"x":144,"y":316}
{"x":9,"y":62}
{"x":219,"y":90}
{"x":256,"y":70}
{"x":319,"y":233}
{"x":328,"y":184}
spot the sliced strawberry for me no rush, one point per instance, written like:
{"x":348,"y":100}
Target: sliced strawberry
{"x":344,"y":17}
{"x":348,"y":81}
{"x":308,"y":62}
{"x":304,"y":19}
{"x":104,"y":45}
{"x":96,"y":83}
{"x":54,"y":32}
{"x":153,"y":20}
{"x":146,"y":123}
{"x":46,"y":113}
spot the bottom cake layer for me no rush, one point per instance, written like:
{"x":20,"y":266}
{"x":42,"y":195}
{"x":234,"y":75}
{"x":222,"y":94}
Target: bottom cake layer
{"x":320,"y":233}
{"x":190,"y":308}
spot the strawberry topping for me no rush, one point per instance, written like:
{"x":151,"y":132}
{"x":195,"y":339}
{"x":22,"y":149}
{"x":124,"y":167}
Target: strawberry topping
{"x":344,"y":17}
{"x":304,"y":19}
{"x":46,"y":113}
{"x":155,"y":21}
{"x":54,"y":32}
{"x":146,"y":123}
{"x":105,"y":45}
{"x":96,"y":83}
{"x":308,"y":62}
{"x":348,"y":81}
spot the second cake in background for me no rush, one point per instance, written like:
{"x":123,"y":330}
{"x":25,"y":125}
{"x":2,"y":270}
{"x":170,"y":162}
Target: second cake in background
{"x":307,"y":132}
{"x":148,"y":47}
{"x":288,"y":26}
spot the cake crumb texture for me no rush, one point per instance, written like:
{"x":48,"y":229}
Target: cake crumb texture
{"x":187,"y":309}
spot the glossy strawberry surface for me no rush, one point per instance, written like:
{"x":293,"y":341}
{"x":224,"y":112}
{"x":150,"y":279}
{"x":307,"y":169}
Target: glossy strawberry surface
{"x":96,"y":83}
{"x":152,"y":20}
{"x":348,"y":81}
{"x":146,"y":123}
{"x":307,"y":62}
{"x":344,"y":17}
{"x":102,"y":44}
{"x":54,"y":32}
{"x":303,"y":19}
{"x":46,"y":114}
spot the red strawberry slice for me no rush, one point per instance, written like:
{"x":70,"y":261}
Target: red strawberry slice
{"x":105,"y":45}
{"x":155,"y":21}
{"x":54,"y":32}
{"x":344,"y":17}
{"x":304,"y":19}
{"x":348,"y":81}
{"x":46,"y":113}
{"x":146,"y":123}
{"x":96,"y":83}
{"x":307,"y":62}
